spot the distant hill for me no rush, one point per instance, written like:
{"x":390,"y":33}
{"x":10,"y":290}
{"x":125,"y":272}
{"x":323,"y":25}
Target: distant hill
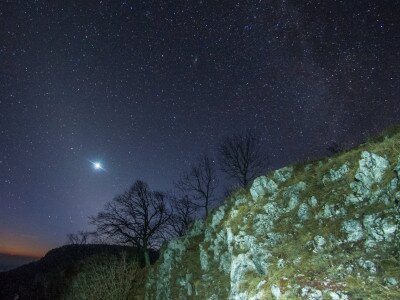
{"x":8,"y":262}
{"x":48,"y":277}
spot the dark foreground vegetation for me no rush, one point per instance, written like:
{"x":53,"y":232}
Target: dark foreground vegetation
{"x":65,"y":271}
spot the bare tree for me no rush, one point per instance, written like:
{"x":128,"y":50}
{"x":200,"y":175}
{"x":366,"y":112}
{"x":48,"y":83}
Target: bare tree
{"x":182,"y":216}
{"x":242,"y":158}
{"x":138,"y":217}
{"x":79,"y":238}
{"x":200,"y":183}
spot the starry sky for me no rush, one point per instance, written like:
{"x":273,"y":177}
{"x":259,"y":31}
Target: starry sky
{"x":144,"y":87}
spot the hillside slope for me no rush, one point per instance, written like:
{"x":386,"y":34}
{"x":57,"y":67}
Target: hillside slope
{"x":328,"y":229}
{"x":49,"y":277}
{"x":9,"y":262}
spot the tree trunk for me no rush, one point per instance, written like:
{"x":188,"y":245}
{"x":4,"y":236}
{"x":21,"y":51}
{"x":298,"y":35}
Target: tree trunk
{"x":245,"y":181}
{"x":146,"y":257}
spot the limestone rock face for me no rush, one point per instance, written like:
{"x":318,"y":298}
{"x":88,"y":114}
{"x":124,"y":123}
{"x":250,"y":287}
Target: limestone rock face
{"x":335,"y":175}
{"x":319,"y":243}
{"x":303,"y":212}
{"x":328,"y":230}
{"x":379,"y":229}
{"x":397,"y":169}
{"x":372,"y":168}
{"x":353,"y":229}
{"x":241,"y":265}
{"x":197,"y":228}
{"x":283,"y":174}
{"x":261,"y":186}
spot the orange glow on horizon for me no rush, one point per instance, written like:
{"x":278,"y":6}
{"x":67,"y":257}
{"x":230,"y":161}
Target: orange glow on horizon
{"x":10,"y":250}
{"x":21,"y":245}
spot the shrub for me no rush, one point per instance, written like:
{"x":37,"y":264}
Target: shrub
{"x":106,"y":277}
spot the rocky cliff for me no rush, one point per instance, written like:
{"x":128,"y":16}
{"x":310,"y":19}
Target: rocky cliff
{"x":327,"y":229}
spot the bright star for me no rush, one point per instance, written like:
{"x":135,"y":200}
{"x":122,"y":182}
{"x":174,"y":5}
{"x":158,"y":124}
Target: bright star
{"x":97,"y":165}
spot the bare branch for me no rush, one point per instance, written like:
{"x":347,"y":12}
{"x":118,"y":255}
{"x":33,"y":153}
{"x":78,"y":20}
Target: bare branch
{"x":79,"y":238}
{"x":242,"y":158}
{"x":137,"y":217}
{"x":200,"y":183}
{"x":182,"y":217}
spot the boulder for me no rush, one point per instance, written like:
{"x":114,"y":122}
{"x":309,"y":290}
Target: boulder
{"x":283,"y":174}
{"x":262,"y":186}
{"x":353,"y":229}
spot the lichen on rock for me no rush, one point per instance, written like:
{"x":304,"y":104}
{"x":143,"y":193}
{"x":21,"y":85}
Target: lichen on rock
{"x":303,"y":212}
{"x":187,"y":286}
{"x":264,"y":223}
{"x":217,"y":217}
{"x":203,"y":258}
{"x":196,"y":228}
{"x":335,"y":175}
{"x":311,"y":293}
{"x":262,"y":186}
{"x":378,"y":229}
{"x":353,"y":229}
{"x":331,"y":211}
{"x":241,"y":265}
{"x":397,"y":169}
{"x":283,"y":174}
{"x":313,"y":201}
{"x":319,"y":243}
{"x":371,"y":169}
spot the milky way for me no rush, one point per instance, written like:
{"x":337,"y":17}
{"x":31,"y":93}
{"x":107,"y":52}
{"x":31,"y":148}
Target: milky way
{"x":146,"y":87}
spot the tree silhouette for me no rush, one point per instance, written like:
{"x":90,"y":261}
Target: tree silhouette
{"x":138,"y":217}
{"x":182,"y":215}
{"x":200,"y":183}
{"x":242,"y":158}
{"x":79,"y":238}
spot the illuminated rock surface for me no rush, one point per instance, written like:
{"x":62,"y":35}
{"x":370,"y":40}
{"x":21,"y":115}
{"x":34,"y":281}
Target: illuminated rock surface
{"x":322,"y":230}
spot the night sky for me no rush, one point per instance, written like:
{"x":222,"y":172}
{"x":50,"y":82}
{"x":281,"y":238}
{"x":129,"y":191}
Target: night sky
{"x":144,"y":88}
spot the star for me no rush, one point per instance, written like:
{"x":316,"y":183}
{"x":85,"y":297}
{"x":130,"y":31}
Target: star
{"x":176,"y":90}
{"x":97,"y":166}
